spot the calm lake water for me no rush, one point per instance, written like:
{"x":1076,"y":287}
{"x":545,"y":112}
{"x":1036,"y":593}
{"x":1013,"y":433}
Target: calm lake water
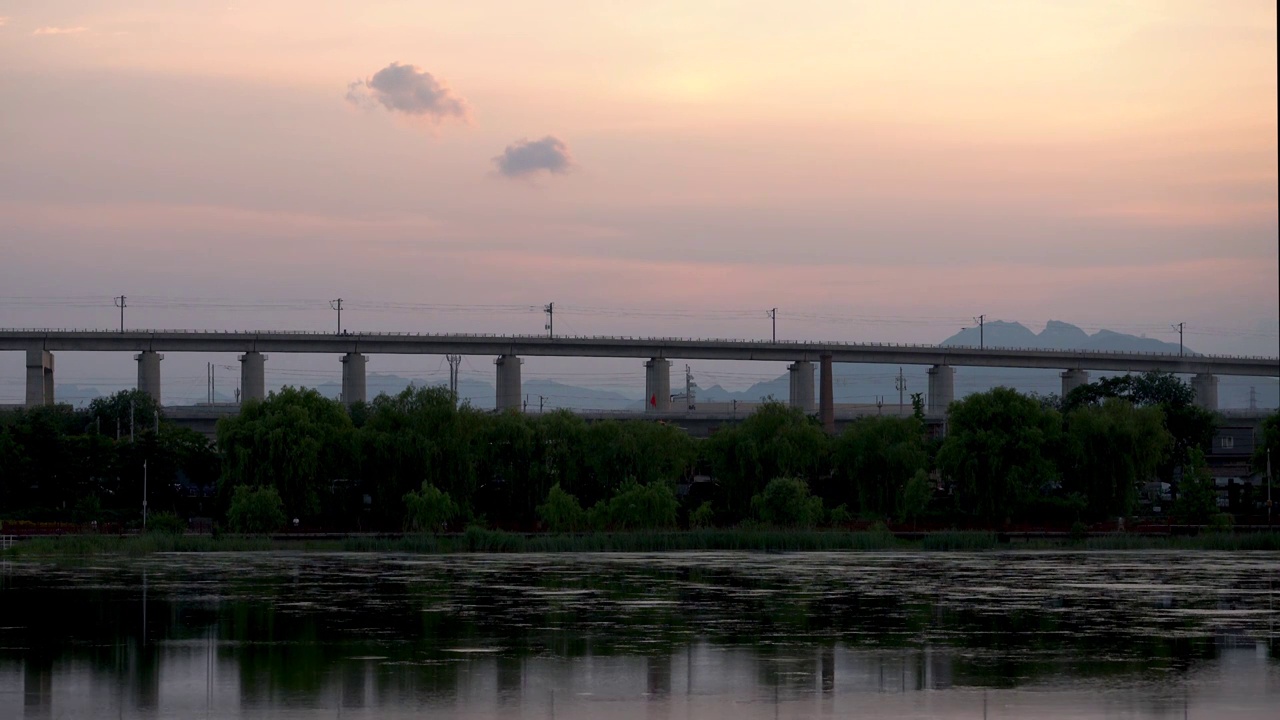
{"x":682,"y":635}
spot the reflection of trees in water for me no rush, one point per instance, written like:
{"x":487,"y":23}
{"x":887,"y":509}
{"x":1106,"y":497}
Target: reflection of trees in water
{"x":324,"y":637}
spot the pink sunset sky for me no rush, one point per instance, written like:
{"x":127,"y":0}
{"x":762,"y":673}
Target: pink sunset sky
{"x":879,"y":170}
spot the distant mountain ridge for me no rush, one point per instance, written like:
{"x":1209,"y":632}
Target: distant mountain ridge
{"x":1058,"y":335}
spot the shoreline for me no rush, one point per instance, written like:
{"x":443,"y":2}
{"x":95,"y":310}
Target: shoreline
{"x":491,"y":541}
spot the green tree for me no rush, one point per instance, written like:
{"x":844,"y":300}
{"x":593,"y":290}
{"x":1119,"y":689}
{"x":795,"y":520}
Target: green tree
{"x":561,"y":450}
{"x":638,"y":450}
{"x":874,"y":459}
{"x":786,"y":502}
{"x":702,"y":517}
{"x":916,"y":496}
{"x":1112,"y":449}
{"x":1197,"y":499}
{"x":255,"y":510}
{"x":1189,"y":425}
{"x":1270,"y":440}
{"x":87,"y":509}
{"x":414,"y":436}
{"x":47,"y":461}
{"x":428,"y":509}
{"x":637,"y":507}
{"x":166,"y":523}
{"x":562,"y":512}
{"x":774,"y":441}
{"x":124,"y":410}
{"x":917,"y":406}
{"x":999,"y":451}
{"x":509,"y":486}
{"x":296,"y":441}
{"x":839,"y":516}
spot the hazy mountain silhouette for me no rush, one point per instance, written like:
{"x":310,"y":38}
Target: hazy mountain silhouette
{"x":1057,"y":335}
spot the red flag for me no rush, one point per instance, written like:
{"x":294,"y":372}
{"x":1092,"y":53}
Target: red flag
{"x":653,"y":400}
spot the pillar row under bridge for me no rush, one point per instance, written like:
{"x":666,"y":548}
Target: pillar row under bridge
{"x":942,"y":389}
{"x":253,"y":376}
{"x":353,"y":378}
{"x":1072,"y":379}
{"x":801,"y":396}
{"x":657,"y":385}
{"x":149,"y":373}
{"x":39,"y":378}
{"x":1205,"y":387}
{"x":827,"y":396}
{"x":508,"y":382}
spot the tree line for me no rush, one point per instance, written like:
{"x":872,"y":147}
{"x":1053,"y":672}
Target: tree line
{"x":418,"y":461}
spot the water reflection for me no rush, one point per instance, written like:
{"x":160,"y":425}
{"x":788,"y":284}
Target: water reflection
{"x":682,"y":635}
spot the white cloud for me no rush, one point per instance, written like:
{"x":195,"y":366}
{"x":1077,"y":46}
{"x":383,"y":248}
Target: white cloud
{"x":51,"y":30}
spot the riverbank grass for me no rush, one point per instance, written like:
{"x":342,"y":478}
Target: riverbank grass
{"x":479,"y":540}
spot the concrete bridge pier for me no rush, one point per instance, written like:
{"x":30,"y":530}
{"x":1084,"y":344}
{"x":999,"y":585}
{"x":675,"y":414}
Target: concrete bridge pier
{"x":801,"y":373}
{"x":253,"y":377}
{"x":1072,"y":379}
{"x":1205,"y":387}
{"x":508,"y":382}
{"x":942,"y":389}
{"x":149,"y":373}
{"x":353,"y":381}
{"x":827,"y":399}
{"x":657,"y":385}
{"x":39,"y":378}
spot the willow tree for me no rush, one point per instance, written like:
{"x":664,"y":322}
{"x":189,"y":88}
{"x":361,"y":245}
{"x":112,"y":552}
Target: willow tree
{"x":1112,"y":449}
{"x":1000,"y":451}
{"x":296,"y":441}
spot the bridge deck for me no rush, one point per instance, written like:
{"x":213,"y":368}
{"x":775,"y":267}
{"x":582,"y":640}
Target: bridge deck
{"x":626,"y":347}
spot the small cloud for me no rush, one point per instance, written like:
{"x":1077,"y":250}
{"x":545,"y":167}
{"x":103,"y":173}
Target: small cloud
{"x":60,"y":30}
{"x":409,"y":90}
{"x":528,"y":157}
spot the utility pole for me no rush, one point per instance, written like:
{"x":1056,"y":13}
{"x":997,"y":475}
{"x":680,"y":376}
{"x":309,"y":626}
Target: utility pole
{"x":131,"y":419}
{"x":1268,"y":486}
{"x":901,"y":386}
{"x":455,"y":362}
{"x":1253,"y":399}
{"x":879,"y":404}
{"x":337,"y":305}
{"x":981,"y":320}
{"x":144,"y":494}
{"x":550,"y":327}
{"x":119,"y":302}
{"x":540,"y":401}
{"x":773,"y":315}
{"x":1178,"y":327}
